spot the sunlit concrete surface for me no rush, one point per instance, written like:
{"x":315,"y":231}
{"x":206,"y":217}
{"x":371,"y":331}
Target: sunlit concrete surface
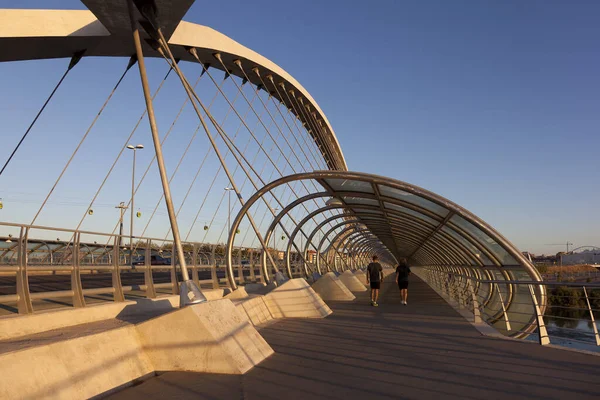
{"x":352,"y":282}
{"x":213,"y":336}
{"x":330,"y":287}
{"x":91,"y":352}
{"x":296,"y":299}
{"x":421,"y":351}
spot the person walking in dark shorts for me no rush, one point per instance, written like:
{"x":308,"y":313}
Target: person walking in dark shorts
{"x":402,"y":273}
{"x":374,"y":278}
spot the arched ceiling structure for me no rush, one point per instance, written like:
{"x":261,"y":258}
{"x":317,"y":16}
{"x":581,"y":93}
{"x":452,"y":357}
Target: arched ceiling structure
{"x":408,"y":222}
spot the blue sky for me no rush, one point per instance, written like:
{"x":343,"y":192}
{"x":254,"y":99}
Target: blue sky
{"x":492,"y":104}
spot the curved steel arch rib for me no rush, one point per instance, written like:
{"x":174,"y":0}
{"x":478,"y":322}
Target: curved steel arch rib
{"x":104,"y":30}
{"x":410,"y":222}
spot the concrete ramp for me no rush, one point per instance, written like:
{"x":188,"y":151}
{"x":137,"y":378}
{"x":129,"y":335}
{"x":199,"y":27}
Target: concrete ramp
{"x":296,"y":299}
{"x":361,"y":276}
{"x":255,"y":309}
{"x":208,"y":337}
{"x":240,"y":293}
{"x":352,"y":282}
{"x":330,"y":287}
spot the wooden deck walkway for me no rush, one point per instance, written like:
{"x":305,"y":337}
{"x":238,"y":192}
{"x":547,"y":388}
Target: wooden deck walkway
{"x":421,"y":351}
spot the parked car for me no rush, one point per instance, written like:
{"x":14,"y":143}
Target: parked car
{"x":154,"y":260}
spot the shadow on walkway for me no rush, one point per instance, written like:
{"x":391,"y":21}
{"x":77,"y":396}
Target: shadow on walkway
{"x":420,"y":351}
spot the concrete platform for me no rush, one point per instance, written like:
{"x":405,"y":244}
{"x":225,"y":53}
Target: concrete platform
{"x":331,"y":288}
{"x":352,"y":282}
{"x":421,"y":351}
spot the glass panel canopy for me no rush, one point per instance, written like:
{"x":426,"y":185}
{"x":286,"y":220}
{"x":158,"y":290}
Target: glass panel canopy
{"x":413,"y":199}
{"x":411,"y":212}
{"x":470,"y":246}
{"x":360,"y":200}
{"x":347,"y":185}
{"x":483,"y":238}
{"x":412,"y":222}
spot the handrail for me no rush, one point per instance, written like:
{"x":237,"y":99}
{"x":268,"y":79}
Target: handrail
{"x":110,"y":274}
{"x":531,"y":312}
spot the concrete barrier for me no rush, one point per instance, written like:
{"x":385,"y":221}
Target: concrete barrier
{"x":212,"y":337}
{"x":361,"y":276}
{"x":255,"y":308}
{"x":352,"y":282}
{"x":296,"y":299}
{"x":98,"y":358}
{"x":20,"y":325}
{"x":330,"y":287}
{"x":240,"y":293}
{"x":73,"y":363}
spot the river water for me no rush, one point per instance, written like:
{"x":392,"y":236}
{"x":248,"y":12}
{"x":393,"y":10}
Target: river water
{"x":570,"y":328}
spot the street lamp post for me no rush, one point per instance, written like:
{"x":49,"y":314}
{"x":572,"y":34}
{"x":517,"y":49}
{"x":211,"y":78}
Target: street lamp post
{"x":122,"y":207}
{"x":135,"y":149}
{"x":274,"y":233}
{"x":228,"y":190}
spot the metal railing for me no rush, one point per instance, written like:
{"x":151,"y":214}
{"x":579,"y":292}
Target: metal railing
{"x":562,"y":313}
{"x":92,"y":267}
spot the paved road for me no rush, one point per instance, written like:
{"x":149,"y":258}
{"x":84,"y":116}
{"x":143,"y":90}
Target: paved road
{"x":49,"y":283}
{"x":421,"y":351}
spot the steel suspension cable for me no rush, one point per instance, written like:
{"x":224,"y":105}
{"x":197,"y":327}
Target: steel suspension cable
{"x":239,"y":65}
{"x":313,"y":122}
{"x":177,"y":168}
{"x":85,"y":214}
{"x":164,"y":139}
{"x":191,"y":93}
{"x":211,"y":186}
{"x":74,"y":60}
{"x":266,"y":208}
{"x":219,"y":129}
{"x":297,"y":115}
{"x":131,"y":63}
{"x":259,"y":174}
{"x":251,"y":133}
{"x":173,"y":174}
{"x":197,"y":173}
{"x":270,"y":78}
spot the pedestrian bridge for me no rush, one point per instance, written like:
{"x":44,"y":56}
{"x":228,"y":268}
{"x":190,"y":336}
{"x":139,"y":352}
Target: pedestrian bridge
{"x":197,"y":296}
{"x":420,"y":351}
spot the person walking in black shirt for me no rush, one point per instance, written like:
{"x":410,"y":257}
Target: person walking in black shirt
{"x":374,"y":278}
{"x":402,"y":273}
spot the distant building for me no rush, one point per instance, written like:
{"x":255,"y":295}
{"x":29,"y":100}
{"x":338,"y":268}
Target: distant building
{"x":588,"y":256}
{"x":544,"y":259}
